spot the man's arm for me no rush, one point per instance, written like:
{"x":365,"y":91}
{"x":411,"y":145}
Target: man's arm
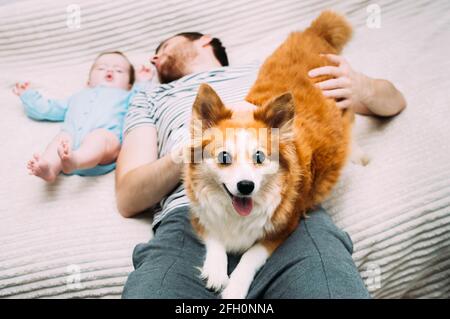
{"x":382,"y":98}
{"x":366,"y":95}
{"x":142,"y":179}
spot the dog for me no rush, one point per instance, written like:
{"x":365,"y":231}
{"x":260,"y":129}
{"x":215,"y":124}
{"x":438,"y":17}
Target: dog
{"x":267,"y":161}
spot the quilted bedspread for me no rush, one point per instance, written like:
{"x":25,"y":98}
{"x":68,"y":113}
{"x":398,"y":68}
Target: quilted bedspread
{"x":67,"y":239}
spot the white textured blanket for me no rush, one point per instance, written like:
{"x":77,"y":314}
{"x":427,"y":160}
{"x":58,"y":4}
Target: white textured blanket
{"x":68,"y":240}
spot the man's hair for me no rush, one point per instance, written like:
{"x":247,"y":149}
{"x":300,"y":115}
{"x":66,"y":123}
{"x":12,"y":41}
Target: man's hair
{"x":219,"y":50}
{"x":131,"y":73}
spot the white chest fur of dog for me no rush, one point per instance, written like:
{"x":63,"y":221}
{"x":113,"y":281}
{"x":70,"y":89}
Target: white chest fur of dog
{"x":236,"y":233}
{"x":229,"y":232}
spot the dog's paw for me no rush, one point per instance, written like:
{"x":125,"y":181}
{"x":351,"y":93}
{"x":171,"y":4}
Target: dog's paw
{"x":235,"y":290}
{"x":361,"y":159}
{"x":358,"y":156}
{"x":215,"y":275}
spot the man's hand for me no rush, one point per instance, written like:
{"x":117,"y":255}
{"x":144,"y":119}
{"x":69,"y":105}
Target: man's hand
{"x":353,"y":89}
{"x":20,"y":88}
{"x":144,"y":74}
{"x":347,"y":87}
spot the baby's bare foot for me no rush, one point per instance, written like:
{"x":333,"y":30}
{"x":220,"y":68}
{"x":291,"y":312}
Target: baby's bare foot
{"x":41,"y":168}
{"x":68,"y":162}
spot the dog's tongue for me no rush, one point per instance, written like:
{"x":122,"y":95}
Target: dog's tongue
{"x":243,"y":205}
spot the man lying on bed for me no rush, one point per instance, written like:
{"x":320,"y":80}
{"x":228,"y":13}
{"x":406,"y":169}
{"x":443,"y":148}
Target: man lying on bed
{"x":317,"y":264}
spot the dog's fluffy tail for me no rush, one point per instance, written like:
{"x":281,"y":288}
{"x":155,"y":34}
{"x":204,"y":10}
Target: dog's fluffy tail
{"x":333,"y":28}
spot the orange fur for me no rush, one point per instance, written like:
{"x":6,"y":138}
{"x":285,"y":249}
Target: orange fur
{"x":322,"y":130}
{"x":311,"y":159}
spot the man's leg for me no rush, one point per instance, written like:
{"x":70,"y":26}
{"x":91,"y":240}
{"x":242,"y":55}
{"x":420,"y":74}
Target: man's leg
{"x":314,"y":262}
{"x":165,"y":267}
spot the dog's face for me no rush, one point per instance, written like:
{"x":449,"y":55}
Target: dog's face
{"x":241,"y":161}
{"x":240,"y":158}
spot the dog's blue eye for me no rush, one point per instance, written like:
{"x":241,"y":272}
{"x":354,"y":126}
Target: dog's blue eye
{"x":259,"y":157}
{"x":224,"y":158}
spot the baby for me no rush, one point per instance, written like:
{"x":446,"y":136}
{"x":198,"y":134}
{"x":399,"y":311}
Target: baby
{"x":91,"y":135}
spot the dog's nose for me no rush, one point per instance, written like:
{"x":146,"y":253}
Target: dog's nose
{"x":245,"y":187}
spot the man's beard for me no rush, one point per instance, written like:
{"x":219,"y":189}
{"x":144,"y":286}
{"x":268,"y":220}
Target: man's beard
{"x":171,"y":70}
{"x":176,"y":65}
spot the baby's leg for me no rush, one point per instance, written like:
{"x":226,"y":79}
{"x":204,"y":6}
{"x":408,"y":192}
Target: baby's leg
{"x":48,"y":165}
{"x":98,"y":147}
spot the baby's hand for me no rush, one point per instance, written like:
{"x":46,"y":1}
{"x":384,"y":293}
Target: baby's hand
{"x":144,"y":74}
{"x":20,"y":87}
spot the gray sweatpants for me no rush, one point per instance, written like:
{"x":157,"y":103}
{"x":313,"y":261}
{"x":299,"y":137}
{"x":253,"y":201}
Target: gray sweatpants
{"x":314,"y":262}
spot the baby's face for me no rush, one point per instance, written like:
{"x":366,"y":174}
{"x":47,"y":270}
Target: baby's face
{"x":111,"y":70}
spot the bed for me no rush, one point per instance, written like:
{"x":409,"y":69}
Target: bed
{"x":67,"y":240}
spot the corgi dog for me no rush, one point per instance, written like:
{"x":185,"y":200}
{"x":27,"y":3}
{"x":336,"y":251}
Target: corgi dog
{"x":265,"y":162}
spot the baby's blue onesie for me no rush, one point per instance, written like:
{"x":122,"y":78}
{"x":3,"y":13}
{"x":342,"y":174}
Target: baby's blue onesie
{"x":83,"y":112}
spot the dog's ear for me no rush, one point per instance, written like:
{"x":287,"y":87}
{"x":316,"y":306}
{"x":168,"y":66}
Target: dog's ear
{"x":278,"y":112}
{"x":209,"y":108}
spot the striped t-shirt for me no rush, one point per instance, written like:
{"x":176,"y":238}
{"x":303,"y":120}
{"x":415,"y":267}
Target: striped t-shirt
{"x":168,"y":108}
